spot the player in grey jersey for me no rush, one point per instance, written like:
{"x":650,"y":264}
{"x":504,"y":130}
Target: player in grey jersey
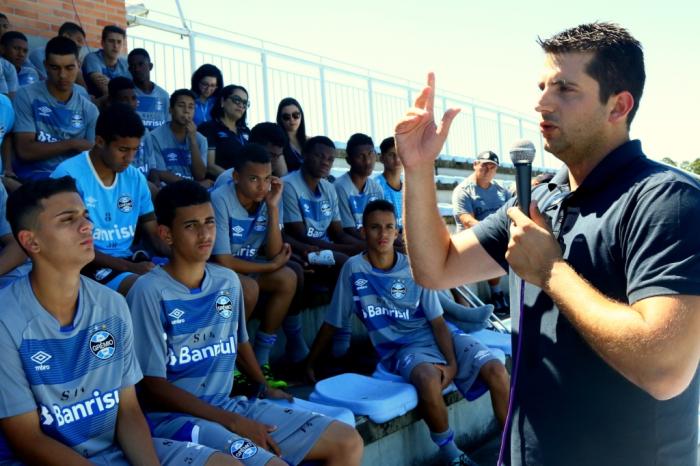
{"x":190,"y":331}
{"x":68,"y":372}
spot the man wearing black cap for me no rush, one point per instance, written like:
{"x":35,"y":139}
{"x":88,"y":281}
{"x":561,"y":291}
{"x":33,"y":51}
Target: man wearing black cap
{"x":476,"y":198}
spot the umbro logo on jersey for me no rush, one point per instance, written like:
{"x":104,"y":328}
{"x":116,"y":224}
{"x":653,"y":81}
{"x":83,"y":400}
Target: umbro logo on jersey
{"x":361,"y":284}
{"x":238,"y":230}
{"x":177,"y":314}
{"x":44,"y":111}
{"x":171,"y":157}
{"x":40,"y":358}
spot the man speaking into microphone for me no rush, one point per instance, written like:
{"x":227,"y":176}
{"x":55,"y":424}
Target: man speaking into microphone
{"x":610,"y":259}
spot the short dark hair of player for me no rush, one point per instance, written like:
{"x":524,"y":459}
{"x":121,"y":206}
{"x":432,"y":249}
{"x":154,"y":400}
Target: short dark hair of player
{"x":618,"y":60}
{"x":3,"y":16}
{"x":119,"y":121}
{"x":355,"y":141}
{"x":24,"y":204}
{"x":118,"y":84}
{"x":179,"y":93}
{"x":137,"y":52}
{"x":202,"y":72}
{"x":70,"y":28}
{"x":251,"y":153}
{"x":61,"y":46}
{"x":380,"y":205}
{"x":268,"y":133}
{"x":311,"y":144}
{"x":387,"y":144}
{"x":183,"y":193}
{"x":217,"y":111}
{"x":112,"y":29}
{"x":9,"y":36}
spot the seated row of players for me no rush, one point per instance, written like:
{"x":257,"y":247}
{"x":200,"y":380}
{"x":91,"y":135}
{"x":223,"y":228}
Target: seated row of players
{"x":73,"y":357}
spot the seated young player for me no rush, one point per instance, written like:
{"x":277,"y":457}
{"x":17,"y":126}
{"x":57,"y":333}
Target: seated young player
{"x":355,"y":188}
{"x":311,"y":212}
{"x":178,"y":150}
{"x":190,"y":332}
{"x":69,"y":368}
{"x":101,"y":66}
{"x":73,"y":32}
{"x":152,"y":99}
{"x":249,"y":241}
{"x":54,"y":121}
{"x":117,"y":197}
{"x":14,"y":49}
{"x":390,"y":178}
{"x":406,"y":327}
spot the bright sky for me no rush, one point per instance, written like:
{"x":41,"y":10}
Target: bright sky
{"x":485,"y":50}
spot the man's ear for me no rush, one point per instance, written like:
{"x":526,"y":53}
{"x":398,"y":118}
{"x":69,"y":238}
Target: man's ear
{"x":623,"y":103}
{"x":165,"y":234}
{"x":28,"y":241}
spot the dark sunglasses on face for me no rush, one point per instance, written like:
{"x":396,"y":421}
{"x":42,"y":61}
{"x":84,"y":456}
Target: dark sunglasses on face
{"x":289,"y":116}
{"x":238,"y":101}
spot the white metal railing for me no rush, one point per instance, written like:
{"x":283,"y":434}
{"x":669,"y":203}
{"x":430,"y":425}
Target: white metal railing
{"x":338,"y":99}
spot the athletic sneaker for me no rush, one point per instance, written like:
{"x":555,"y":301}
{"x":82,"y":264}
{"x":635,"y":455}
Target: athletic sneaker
{"x":463,"y":460}
{"x":270,"y":377}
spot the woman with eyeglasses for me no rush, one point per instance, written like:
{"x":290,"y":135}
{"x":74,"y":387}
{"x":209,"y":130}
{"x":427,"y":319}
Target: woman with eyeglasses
{"x":227,"y":132}
{"x":290,"y":116}
{"x":206,"y":84}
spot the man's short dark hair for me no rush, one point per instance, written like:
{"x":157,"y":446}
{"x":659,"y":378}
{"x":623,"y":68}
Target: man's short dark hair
{"x":118,"y":84}
{"x":311,"y":144}
{"x":387,"y":144}
{"x":268,"y":133}
{"x":253,"y":153}
{"x":9,"y":36}
{"x":379,"y":205}
{"x":112,"y":29}
{"x":3,"y":16}
{"x":141,"y":52}
{"x":357,"y":140}
{"x":24,"y":204}
{"x":119,"y":121}
{"x":60,"y":46}
{"x":70,"y":28}
{"x":179,"y":93}
{"x":618,"y":60}
{"x":183,"y":193}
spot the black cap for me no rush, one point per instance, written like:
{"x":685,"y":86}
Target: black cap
{"x":487,"y":156}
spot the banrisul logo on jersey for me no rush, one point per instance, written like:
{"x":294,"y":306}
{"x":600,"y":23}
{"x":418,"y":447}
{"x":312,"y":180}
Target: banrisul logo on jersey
{"x":59,"y":416}
{"x":224,"y":305}
{"x":102,"y":344}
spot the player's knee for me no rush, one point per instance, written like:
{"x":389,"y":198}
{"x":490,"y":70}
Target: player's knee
{"x":495,"y":374}
{"x":426,"y":378}
{"x":285,"y":280}
{"x":347,"y":442}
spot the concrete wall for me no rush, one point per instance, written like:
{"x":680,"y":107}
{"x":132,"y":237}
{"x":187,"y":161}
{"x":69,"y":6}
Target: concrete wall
{"x":42,"y":18}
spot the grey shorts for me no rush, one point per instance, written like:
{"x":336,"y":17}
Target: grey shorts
{"x":297,"y":431}
{"x":169,"y":452}
{"x":471,"y":356}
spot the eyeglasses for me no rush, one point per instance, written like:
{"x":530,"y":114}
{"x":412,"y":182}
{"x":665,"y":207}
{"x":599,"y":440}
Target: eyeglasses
{"x":238,"y":101}
{"x":289,"y":116}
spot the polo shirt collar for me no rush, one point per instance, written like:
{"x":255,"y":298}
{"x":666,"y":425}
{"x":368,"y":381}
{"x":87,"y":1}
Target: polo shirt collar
{"x":607,"y":171}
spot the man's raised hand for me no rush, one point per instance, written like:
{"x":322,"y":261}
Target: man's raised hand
{"x":418,"y":138}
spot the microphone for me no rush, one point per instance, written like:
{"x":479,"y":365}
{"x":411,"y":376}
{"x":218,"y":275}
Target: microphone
{"x":522,"y":153}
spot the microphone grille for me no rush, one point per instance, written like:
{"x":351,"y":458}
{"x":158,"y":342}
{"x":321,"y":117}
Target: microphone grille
{"x":522,"y":151}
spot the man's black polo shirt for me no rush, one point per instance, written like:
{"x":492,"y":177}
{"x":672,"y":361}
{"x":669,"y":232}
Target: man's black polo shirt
{"x":632,"y":230}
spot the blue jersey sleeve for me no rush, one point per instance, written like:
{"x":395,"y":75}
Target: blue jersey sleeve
{"x":145,"y":201}
{"x":202,"y":143}
{"x":347,"y":219}
{"x":10,"y":75}
{"x":131,"y":373}
{"x":24,"y":116}
{"x":431,"y":304}
{"x":222,"y":243}
{"x":333,"y":198}
{"x":150,"y":345}
{"x":291,"y":204}
{"x":16,"y":395}
{"x":461,"y":202}
{"x":92,"y":64}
